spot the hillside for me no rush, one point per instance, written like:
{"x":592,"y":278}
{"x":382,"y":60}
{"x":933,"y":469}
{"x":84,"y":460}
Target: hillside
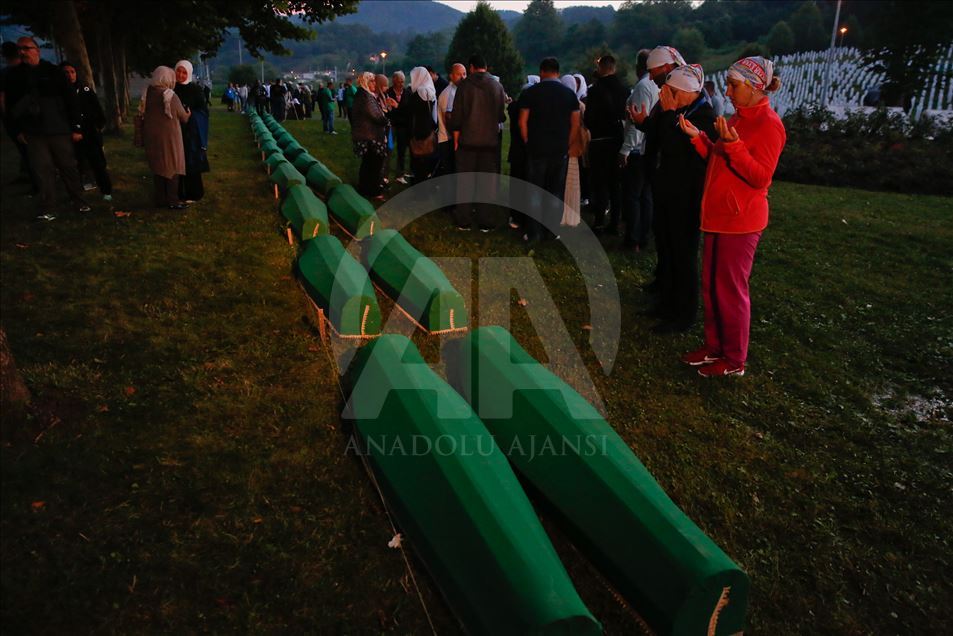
{"x":404,"y":15}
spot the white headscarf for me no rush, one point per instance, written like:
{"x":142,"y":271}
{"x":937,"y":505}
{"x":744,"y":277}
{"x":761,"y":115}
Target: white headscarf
{"x":531,"y":80}
{"x":569,"y":82}
{"x":688,"y":77}
{"x":364,"y":80}
{"x":422,"y":84}
{"x":583,"y":89}
{"x":187,"y":65}
{"x":162,"y":78}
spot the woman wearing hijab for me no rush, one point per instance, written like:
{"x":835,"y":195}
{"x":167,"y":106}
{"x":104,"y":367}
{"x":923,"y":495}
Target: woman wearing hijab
{"x":162,"y":113}
{"x":572,"y":199}
{"x":368,"y":132}
{"x":422,"y":123}
{"x":734,"y":211}
{"x":582,"y":90}
{"x":194,"y":133}
{"x":677,"y":185}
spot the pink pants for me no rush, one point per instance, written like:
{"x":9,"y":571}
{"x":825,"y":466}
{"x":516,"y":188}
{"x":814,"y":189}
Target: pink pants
{"x":725,"y":271}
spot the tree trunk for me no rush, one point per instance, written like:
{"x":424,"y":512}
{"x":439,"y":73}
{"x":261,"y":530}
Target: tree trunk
{"x":13,"y":392}
{"x":110,"y":85}
{"x":122,"y":76}
{"x":68,"y":34}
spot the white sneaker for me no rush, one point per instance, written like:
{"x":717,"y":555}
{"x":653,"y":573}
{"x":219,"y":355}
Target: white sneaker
{"x":88,"y":186}
{"x":46,"y":217}
{"x":107,"y":197}
{"x":402,"y":179}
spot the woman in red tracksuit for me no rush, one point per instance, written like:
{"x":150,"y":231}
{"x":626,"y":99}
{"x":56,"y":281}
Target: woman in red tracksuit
{"x":735,"y":211}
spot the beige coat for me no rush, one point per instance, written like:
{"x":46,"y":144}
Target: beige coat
{"x":162,"y":136}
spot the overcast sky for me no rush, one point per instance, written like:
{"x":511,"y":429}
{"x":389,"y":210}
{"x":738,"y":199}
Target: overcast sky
{"x":516,"y":5}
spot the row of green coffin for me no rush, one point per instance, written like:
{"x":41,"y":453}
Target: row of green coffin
{"x":413,"y":281}
{"x":466,"y":515}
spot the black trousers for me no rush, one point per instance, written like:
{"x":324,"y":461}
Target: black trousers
{"x":369,"y":176}
{"x":49,"y":155}
{"x":90,"y":151}
{"x":636,"y":202}
{"x":549,"y":173}
{"x":401,"y":144}
{"x":478,"y":169}
{"x":166,"y":190}
{"x":191,"y":186}
{"x":677,"y":237}
{"x":605,"y":187}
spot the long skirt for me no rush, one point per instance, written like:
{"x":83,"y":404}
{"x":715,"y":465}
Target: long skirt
{"x":571,"y":200}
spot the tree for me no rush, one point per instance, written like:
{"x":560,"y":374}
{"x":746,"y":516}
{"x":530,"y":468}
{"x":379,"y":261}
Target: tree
{"x":690,"y":43}
{"x":243,"y":74}
{"x":586,"y":64}
{"x":781,"y":38}
{"x":66,"y":30}
{"x":539,"y":32}
{"x":428,"y":49}
{"x":482,"y":31}
{"x":580,"y":37}
{"x":14,"y":396}
{"x":808,"y":27}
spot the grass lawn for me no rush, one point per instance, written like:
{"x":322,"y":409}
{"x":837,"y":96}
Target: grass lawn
{"x":183,"y":468}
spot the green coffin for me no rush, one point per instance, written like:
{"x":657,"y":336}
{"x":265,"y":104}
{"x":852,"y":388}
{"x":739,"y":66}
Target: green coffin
{"x":284,"y":176}
{"x":322,"y":179}
{"x":674,"y":576}
{"x":339,"y":285}
{"x":269,"y":120}
{"x":294,"y":150}
{"x":271,"y":148}
{"x":275,"y":160}
{"x":306,"y":213}
{"x":355,"y":213}
{"x":285,"y":139}
{"x":302,"y":162}
{"x":459,"y":506}
{"x":414,"y":281}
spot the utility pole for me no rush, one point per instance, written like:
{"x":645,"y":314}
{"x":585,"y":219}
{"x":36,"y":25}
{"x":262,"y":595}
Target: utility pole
{"x":825,"y":94}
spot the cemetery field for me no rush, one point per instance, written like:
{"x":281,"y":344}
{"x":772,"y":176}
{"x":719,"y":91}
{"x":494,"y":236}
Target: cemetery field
{"x":183,"y":466}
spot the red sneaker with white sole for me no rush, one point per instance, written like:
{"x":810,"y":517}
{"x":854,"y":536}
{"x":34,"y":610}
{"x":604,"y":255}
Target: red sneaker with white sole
{"x":699,"y":357}
{"x":721,"y":368}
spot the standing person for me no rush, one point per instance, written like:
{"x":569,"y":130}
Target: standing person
{"x":636,"y":191}
{"x":207,"y":91}
{"x":717,"y":101}
{"x":578,"y":145}
{"x":458,"y":72}
{"x":339,"y":98}
{"x":194,"y":133}
{"x":605,"y":110}
{"x":677,"y":192}
{"x":368,"y":130}
{"x":380,"y":83}
{"x":741,"y":165}
{"x":11,"y":59}
{"x":277,"y":99}
{"x":479,"y":107}
{"x":261,"y":98}
{"x":439,"y":83}
{"x":243,"y":97}
{"x":422,"y":124}
{"x":325,"y":100}
{"x":350,"y":92}
{"x":400,"y":123}
{"x":517,"y":152}
{"x":90,"y":147}
{"x":163,"y":113}
{"x":45,"y":117}
{"x":549,"y":119}
{"x":662,"y":60}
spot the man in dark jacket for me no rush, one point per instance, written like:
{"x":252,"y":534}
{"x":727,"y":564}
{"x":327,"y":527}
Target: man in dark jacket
{"x":90,"y":147}
{"x":11,"y":59}
{"x":46,"y":117}
{"x":605,"y":109}
{"x":479,"y":107}
{"x":277,"y":99}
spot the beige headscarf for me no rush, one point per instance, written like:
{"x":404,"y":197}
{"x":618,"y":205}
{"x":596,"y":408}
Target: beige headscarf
{"x":364,"y":81}
{"x":163,"y":78}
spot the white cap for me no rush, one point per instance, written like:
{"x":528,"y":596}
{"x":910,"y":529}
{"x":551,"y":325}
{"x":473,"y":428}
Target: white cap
{"x":662,"y":55}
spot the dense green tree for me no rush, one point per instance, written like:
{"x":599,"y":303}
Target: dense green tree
{"x":427,"y":50}
{"x":781,"y":39}
{"x":243,"y":74}
{"x":808,"y":27}
{"x":539,"y":32}
{"x":690,"y":43}
{"x":482,"y":31}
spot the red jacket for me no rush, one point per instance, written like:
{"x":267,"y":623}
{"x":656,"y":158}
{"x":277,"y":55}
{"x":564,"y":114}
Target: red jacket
{"x":739,"y":173}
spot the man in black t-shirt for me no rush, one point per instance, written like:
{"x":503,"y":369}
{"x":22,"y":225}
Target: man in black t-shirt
{"x":549,"y":118}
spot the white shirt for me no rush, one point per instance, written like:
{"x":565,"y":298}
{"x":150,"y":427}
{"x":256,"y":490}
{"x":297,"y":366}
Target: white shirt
{"x":645,"y":94}
{"x":444,"y":106}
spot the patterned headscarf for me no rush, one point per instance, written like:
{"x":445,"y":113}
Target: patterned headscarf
{"x":756,"y":72}
{"x":690,"y":78}
{"x":364,"y":81}
{"x":662,"y":55}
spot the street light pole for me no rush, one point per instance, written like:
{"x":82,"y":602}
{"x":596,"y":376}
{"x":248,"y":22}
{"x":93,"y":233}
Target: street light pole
{"x":843,"y":30}
{"x":830,"y":58}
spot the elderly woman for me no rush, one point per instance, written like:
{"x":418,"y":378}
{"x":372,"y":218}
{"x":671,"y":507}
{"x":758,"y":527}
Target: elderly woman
{"x":398,"y":92}
{"x":734,"y":211}
{"x":572,"y":198}
{"x":677,"y":185}
{"x":421,"y":109}
{"x":194,"y":132}
{"x":162,"y":113}
{"x":368,"y":132}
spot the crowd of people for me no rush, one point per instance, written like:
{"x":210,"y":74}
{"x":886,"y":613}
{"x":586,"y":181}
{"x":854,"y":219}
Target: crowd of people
{"x":658,"y":158}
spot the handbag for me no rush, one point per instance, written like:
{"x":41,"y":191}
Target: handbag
{"x":422,"y":147}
